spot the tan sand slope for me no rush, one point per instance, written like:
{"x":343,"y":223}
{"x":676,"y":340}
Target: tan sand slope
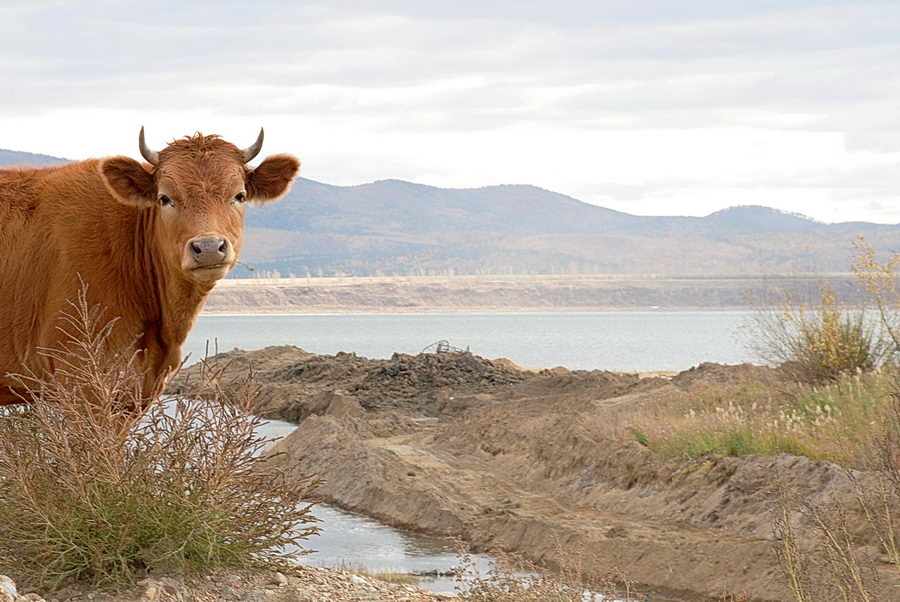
{"x":529,"y":462}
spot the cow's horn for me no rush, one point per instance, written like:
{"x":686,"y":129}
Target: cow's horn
{"x":149,"y":155}
{"x":251,"y":151}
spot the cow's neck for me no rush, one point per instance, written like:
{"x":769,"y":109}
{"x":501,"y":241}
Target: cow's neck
{"x":176,"y":299}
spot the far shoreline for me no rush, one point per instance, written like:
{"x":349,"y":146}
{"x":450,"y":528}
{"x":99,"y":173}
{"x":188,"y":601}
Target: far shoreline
{"x":511,"y":294}
{"x":393,"y":311}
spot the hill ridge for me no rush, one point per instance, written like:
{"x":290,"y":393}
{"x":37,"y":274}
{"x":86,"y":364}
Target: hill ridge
{"x":397,"y":227}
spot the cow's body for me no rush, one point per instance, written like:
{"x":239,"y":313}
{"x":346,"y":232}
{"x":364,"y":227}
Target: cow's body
{"x":66,"y":228}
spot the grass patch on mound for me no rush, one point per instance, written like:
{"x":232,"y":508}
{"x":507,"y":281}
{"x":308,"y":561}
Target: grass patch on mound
{"x":839,"y":421}
{"x":94,"y":492}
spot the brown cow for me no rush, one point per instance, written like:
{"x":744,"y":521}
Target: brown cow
{"x":148,"y":240}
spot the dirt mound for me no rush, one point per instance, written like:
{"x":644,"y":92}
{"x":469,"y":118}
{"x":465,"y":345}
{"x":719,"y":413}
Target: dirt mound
{"x":709,"y":373}
{"x":406,"y":380}
{"x":292,"y":381}
{"x":596,"y":384}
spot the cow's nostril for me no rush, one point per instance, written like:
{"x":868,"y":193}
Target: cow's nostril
{"x":209,"y":251}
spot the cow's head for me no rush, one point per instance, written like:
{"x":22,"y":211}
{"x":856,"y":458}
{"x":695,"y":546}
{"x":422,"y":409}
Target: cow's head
{"x":195,"y":190}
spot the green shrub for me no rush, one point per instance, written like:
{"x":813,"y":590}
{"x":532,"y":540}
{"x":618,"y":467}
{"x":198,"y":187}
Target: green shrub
{"x":91,"y":492}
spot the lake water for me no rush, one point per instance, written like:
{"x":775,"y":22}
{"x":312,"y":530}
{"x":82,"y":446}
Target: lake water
{"x":623,"y":340}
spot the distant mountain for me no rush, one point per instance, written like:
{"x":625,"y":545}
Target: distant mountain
{"x":397,"y":227}
{"x":402,"y":208}
{"x":9,"y":158}
{"x":756,"y":218}
{"x":394,"y":227}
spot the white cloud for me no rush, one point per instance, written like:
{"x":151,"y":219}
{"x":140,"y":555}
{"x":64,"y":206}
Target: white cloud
{"x":642,"y":106}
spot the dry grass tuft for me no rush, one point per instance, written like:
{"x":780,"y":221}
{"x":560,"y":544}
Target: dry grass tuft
{"x":833,"y":402}
{"x":830,"y":565}
{"x":90,"y":491}
{"x":514,"y":579}
{"x":840,"y":421}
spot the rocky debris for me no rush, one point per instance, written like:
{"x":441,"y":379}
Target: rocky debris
{"x":305,"y":584}
{"x":10,"y":593}
{"x":407,"y":380}
{"x":294,"y":384}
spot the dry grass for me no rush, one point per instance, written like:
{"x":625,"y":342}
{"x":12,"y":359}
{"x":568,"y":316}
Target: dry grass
{"x":513,"y":579}
{"x":832,"y":566}
{"x":839,"y":421}
{"x":832,"y":401}
{"x":91,"y":492}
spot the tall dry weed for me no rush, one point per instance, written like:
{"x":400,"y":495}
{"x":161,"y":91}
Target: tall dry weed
{"x":879,"y":279}
{"x":92,"y":491}
{"x":830,"y":564}
{"x":819,"y":341}
{"x":819,"y":551}
{"x":823,"y":339}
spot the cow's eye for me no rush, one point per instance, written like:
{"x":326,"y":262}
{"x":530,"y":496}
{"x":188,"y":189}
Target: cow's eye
{"x":240,"y":197}
{"x":164,"y":200}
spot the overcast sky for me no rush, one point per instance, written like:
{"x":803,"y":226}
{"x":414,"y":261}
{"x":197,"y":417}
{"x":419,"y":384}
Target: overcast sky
{"x":679,"y":107}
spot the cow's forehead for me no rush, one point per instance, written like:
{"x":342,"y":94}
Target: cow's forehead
{"x":201,"y":165}
{"x":199,"y":146}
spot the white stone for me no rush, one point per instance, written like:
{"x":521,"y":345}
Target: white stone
{"x":8,"y":586}
{"x":358,"y":580}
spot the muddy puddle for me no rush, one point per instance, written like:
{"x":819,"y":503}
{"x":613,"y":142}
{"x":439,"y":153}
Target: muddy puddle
{"x":361,"y":543}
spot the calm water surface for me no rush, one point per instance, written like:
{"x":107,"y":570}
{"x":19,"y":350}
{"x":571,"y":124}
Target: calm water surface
{"x":627,"y":341}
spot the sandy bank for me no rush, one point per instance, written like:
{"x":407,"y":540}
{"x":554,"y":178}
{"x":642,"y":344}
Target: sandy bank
{"x":517,"y":293}
{"x":533,"y":462}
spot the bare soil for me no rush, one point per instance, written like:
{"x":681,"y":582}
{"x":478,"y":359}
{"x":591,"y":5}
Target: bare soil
{"x":535,"y":463}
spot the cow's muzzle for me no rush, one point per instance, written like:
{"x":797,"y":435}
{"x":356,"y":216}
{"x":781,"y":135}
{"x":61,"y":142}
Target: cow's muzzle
{"x":210,"y":252}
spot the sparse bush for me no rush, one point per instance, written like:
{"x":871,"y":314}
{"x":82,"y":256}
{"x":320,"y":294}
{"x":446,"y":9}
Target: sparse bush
{"x":823,"y":561}
{"x":821,"y":341}
{"x":92,"y":492}
{"x":824,"y":339}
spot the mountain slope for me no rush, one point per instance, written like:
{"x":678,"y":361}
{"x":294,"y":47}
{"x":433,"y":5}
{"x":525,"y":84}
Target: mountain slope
{"x":403,"y":208}
{"x":397,"y":227}
{"x":10,"y":158}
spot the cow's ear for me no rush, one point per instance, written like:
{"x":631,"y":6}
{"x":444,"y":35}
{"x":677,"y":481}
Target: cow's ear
{"x":128,"y":181}
{"x":272,"y":179}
